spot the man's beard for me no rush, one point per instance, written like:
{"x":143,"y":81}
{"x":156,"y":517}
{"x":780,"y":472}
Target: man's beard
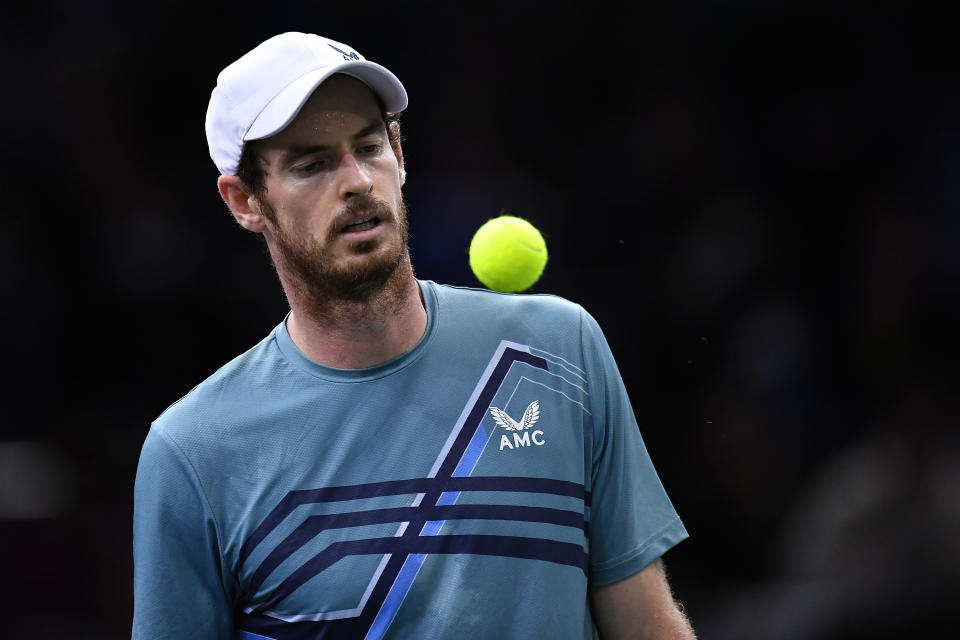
{"x":324,"y":283}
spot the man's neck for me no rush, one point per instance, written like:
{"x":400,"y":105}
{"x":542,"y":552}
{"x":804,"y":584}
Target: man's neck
{"x":358,"y":335}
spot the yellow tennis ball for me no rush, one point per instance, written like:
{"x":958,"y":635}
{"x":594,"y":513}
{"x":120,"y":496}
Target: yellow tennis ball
{"x":508,"y":254}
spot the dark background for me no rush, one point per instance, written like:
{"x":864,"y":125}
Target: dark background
{"x":758,"y":201}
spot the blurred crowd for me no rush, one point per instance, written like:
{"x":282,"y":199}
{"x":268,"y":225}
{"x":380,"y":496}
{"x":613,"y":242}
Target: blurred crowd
{"x":757,"y":201}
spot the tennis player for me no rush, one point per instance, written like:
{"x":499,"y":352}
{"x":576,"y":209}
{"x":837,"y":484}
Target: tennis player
{"x":397,"y":458}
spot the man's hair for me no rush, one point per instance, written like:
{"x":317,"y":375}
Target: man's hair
{"x":250,"y":169}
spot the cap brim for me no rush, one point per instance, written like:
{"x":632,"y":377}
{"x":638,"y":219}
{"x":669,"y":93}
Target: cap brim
{"x":281,"y":111}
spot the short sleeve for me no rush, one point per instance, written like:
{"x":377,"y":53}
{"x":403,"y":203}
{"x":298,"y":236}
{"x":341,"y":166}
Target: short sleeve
{"x":179,"y":583}
{"x":632,"y":520}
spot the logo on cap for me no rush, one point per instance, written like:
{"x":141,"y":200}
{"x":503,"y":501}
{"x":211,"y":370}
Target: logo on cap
{"x":346,"y":56}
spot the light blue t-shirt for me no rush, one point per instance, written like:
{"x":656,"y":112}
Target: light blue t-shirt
{"x":471,"y":488}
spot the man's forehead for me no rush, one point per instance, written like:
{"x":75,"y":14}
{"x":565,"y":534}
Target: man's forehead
{"x":342,"y":108}
{"x":344,"y":94}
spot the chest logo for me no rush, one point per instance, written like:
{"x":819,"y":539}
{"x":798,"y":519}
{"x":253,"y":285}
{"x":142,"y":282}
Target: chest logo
{"x":522,"y":436}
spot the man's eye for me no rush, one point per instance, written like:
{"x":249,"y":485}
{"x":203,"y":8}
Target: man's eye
{"x":370,"y":149}
{"x":309,"y":167}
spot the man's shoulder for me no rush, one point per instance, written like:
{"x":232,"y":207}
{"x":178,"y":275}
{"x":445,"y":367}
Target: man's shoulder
{"x":477,"y":300}
{"x":224,"y":392}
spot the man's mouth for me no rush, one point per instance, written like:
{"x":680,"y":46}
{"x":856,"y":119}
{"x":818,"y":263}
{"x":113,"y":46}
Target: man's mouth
{"x":361,"y":225}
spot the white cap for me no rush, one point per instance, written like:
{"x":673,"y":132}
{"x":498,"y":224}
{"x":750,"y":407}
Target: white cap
{"x":262,"y":92}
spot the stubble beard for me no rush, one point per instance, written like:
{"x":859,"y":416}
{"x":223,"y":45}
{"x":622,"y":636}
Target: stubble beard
{"x":323,"y":285}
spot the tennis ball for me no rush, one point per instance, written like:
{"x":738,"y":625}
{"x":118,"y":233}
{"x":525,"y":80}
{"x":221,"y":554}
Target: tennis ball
{"x":508,"y":254}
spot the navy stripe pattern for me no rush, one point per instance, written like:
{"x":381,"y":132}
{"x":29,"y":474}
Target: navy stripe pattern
{"x":429,"y":509}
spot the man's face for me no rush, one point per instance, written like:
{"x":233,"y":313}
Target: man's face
{"x":336,"y":221}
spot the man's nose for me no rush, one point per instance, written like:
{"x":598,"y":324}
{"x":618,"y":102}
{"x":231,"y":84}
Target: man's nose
{"x":354,"y":178}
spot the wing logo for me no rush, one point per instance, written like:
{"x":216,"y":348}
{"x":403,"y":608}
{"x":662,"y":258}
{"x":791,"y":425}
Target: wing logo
{"x":522,"y":436}
{"x":352,"y":55}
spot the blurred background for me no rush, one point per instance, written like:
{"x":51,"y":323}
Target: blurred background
{"x":758,"y":201}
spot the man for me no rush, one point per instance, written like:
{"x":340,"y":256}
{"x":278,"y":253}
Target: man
{"x":397,"y":459}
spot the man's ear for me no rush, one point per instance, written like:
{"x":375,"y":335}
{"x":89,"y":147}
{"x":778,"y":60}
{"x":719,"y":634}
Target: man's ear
{"x":393,"y":133}
{"x":242,"y":203}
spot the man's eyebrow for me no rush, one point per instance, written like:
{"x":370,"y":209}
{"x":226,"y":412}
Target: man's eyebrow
{"x":292,"y":153}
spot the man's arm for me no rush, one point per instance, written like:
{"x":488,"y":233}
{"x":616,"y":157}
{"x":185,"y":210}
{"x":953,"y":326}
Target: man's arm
{"x":640,"y":607}
{"x":178,"y":574}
